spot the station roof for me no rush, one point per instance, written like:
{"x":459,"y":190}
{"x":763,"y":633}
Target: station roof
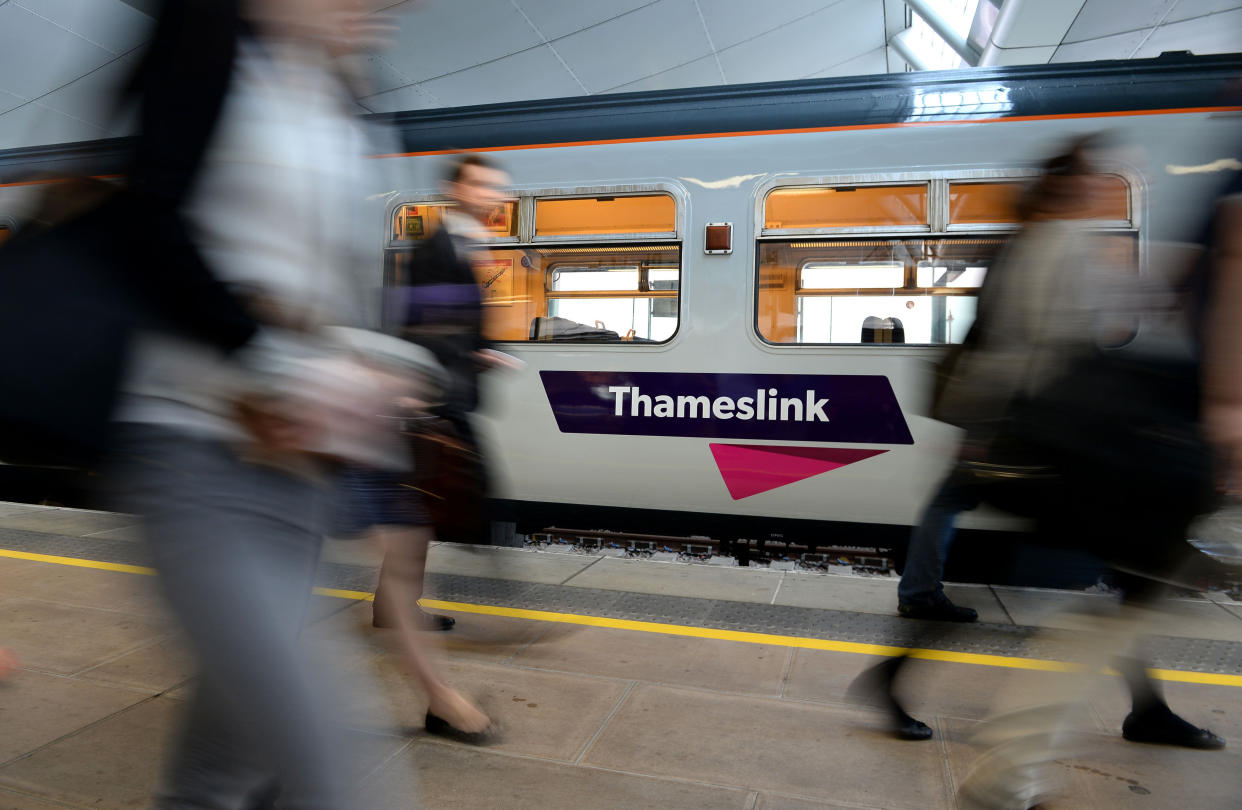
{"x":60,"y":59}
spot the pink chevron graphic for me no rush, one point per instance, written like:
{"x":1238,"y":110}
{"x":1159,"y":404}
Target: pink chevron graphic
{"x":748,"y":469}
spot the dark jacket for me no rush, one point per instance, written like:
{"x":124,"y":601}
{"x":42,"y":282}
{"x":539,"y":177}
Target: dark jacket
{"x":180,"y":88}
{"x":72,"y":294}
{"x":442,"y":310}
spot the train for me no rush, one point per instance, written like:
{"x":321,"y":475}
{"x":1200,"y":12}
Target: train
{"x":729,"y":299}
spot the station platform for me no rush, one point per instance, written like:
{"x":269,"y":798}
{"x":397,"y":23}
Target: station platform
{"x":618,"y":683}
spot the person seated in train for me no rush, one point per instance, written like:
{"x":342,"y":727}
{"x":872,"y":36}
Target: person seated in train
{"x":883,"y":330}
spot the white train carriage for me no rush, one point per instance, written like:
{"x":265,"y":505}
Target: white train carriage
{"x":727,"y":298}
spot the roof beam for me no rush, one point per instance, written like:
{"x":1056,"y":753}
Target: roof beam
{"x":944,"y":30}
{"x":898,"y":43}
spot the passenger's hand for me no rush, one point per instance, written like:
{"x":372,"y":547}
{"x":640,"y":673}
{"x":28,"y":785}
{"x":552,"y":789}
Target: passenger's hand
{"x":8,"y":663}
{"x":411,"y":404}
{"x":488,"y":359}
{"x":278,"y":425}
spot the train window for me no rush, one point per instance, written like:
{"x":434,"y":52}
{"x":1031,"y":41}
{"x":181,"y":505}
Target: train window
{"x":983,"y":203}
{"x":845,"y":262}
{"x":995,"y":203}
{"x":587,"y":267}
{"x":587,"y":294}
{"x":415,"y":221}
{"x":871,"y":290}
{"x":1112,"y":200}
{"x":606,"y":215}
{"x":564,"y":277}
{"x":5,"y":233}
{"x":605,"y":294}
{"x":811,"y":208}
{"x":830,"y":275}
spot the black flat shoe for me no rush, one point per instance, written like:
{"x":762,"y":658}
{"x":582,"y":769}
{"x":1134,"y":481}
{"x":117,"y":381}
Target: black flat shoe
{"x":426,"y":621}
{"x":443,"y":728}
{"x":1160,"y":726}
{"x":875,"y":685}
{"x":944,"y":611}
{"x":436,"y":622}
{"x":907,"y":728}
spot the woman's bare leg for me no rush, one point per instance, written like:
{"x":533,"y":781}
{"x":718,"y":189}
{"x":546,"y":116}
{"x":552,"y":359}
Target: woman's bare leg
{"x":401,"y":583}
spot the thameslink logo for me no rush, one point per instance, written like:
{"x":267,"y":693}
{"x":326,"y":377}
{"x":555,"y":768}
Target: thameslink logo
{"x":765,"y":405}
{"x":836,"y":408}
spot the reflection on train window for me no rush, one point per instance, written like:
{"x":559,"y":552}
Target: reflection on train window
{"x":595,"y":216}
{"x":813,"y":208}
{"x":581,"y":279}
{"x":838,"y":275}
{"x":588,"y":294}
{"x":871,"y":290}
{"x":415,"y":221}
{"x":5,"y":233}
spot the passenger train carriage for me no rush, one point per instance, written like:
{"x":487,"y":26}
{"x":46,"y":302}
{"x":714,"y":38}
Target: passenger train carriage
{"x":727,"y":298}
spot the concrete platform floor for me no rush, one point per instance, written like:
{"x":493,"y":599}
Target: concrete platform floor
{"x":593,"y":717}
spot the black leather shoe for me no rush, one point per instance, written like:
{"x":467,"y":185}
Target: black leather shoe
{"x":944,"y":611}
{"x":907,"y":728}
{"x":875,"y":685}
{"x":442,"y":728}
{"x":1160,"y":726}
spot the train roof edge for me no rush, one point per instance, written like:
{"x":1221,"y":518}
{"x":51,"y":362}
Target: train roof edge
{"x":1168,"y":82}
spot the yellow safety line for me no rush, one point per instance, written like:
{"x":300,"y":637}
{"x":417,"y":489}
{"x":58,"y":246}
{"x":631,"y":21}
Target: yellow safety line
{"x":830,"y":645}
{"x":337,"y":593}
{"x":78,"y":562}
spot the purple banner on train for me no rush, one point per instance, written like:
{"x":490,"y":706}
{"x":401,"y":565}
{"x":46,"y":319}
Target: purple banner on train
{"x":846,"y":408}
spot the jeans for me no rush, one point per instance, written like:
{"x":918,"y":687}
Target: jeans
{"x":237,"y":546}
{"x":930,"y":540}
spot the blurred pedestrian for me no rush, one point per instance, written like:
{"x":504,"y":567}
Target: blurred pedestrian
{"x":441,"y":308}
{"x":1050,"y":303}
{"x":1030,"y":316}
{"x":251,"y":159}
{"x":382,"y":503}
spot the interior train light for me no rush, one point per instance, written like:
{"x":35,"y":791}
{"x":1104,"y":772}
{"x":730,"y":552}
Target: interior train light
{"x":718,"y":237}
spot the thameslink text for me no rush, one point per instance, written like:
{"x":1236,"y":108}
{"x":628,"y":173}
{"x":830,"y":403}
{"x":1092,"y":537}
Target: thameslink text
{"x":763,"y":406}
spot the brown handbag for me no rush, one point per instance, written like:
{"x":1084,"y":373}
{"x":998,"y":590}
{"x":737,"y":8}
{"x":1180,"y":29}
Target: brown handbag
{"x":450,"y":474}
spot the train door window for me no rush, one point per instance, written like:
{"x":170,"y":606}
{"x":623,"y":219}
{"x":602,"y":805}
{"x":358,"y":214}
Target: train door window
{"x":831,"y":273}
{"x":604,"y":268}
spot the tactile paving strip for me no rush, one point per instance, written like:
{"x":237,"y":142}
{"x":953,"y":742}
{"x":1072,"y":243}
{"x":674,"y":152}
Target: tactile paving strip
{"x":1199,"y":655}
{"x":127,"y":552}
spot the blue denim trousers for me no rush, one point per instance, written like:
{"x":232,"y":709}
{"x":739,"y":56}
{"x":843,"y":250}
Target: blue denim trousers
{"x":932,"y":537}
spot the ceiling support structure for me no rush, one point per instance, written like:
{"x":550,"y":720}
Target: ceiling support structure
{"x":941,"y":26}
{"x":898,"y":43}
